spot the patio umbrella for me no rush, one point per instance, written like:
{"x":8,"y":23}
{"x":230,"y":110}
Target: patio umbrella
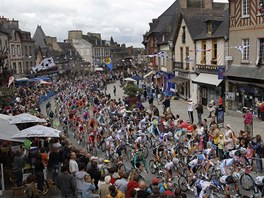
{"x":7,"y":130}
{"x":37,"y":131}
{"x":130,"y":79}
{"x":137,"y":78}
{"x":25,"y":118}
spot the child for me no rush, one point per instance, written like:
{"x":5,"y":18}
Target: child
{"x":88,"y":187}
{"x":221,"y":144}
{"x":249,"y":154}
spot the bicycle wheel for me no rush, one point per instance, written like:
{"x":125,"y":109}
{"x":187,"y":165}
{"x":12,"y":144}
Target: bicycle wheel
{"x":94,"y":150}
{"x":247,"y":182}
{"x":152,"y":166}
{"x":145,"y":151}
{"x":182,"y":182}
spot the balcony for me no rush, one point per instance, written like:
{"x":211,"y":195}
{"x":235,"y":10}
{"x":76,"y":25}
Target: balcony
{"x":178,"y":65}
{"x":207,"y":68}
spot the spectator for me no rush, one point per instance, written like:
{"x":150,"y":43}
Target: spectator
{"x":93,"y":170}
{"x":73,"y":166}
{"x":190,"y":110}
{"x":257,"y":146}
{"x":88,"y":187}
{"x":66,"y":183}
{"x":121,"y":183}
{"x":132,"y":184}
{"x":142,"y":192}
{"x":114,"y":193}
{"x":79,"y":177}
{"x":104,"y":188}
{"x":19,"y":162}
{"x":53,"y":164}
{"x":156,"y":185}
{"x":39,"y":167}
{"x":114,"y":90}
{"x":199,"y":109}
{"x":248,"y":121}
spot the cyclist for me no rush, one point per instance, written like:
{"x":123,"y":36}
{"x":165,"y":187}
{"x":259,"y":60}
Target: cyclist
{"x":204,"y":189}
{"x":138,"y":159}
{"x":210,"y":154}
{"x":81,"y":131}
{"x":169,"y":166}
{"x":259,"y":181}
{"x":195,"y":164}
{"x":227,"y":180}
{"x":229,"y":163}
{"x":142,"y":139}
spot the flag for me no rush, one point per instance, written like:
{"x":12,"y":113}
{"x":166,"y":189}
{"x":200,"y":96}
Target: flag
{"x":162,"y":54}
{"x":47,"y":63}
{"x":10,"y":80}
{"x":108,"y":63}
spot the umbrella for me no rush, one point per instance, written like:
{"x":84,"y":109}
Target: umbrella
{"x":7,"y":130}
{"x":38,"y":131}
{"x":130,"y":79}
{"x":137,"y":78}
{"x":25,"y":118}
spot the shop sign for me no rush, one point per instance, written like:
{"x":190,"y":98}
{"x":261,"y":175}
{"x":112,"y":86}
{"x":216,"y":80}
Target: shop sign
{"x":230,"y":96}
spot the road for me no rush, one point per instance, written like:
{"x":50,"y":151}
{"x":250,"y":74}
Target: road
{"x":177,"y":107}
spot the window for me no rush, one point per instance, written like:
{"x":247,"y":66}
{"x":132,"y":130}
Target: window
{"x":20,"y":67}
{"x":26,"y":51}
{"x":214,"y":52}
{"x":187,"y":58}
{"x":203,"y":53}
{"x":261,"y":51}
{"x":261,"y":6}
{"x":245,"y":54}
{"x":18,"y":50}
{"x":183,"y":35}
{"x":30,"y":51}
{"x":13,"y":50}
{"x":209,"y":28}
{"x":245,"y":8}
{"x":181,"y":52}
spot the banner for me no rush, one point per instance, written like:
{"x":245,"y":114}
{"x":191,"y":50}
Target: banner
{"x":47,"y":63}
{"x":221,"y":73}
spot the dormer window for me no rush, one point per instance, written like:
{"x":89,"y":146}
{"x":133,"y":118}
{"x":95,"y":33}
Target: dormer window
{"x":163,"y":38}
{"x":209,"y":28}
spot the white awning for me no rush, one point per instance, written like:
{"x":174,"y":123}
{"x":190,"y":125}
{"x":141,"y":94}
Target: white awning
{"x":148,"y":74}
{"x":209,"y":79}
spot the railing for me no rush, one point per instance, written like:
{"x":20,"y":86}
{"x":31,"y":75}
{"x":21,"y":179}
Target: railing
{"x":178,"y":65}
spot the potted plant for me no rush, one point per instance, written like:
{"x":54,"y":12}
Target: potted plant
{"x":131,"y":90}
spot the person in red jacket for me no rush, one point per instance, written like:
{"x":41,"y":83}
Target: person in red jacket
{"x":248,"y":121}
{"x":132,"y":184}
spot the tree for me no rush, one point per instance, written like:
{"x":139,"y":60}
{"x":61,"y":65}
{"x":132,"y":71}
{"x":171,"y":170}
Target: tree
{"x":131,"y":90}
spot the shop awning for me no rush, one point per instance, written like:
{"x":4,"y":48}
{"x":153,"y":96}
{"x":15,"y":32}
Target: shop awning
{"x":148,"y":74}
{"x":209,"y":79}
{"x":178,"y":80}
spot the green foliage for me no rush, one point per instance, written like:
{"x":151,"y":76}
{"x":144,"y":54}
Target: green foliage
{"x":131,"y":89}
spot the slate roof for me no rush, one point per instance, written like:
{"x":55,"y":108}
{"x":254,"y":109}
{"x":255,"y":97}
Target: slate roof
{"x":196,"y":18}
{"x":69,"y":50}
{"x":2,"y":29}
{"x":96,"y":42}
{"x":39,"y":37}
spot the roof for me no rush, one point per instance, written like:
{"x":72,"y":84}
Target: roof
{"x":95,"y":41}
{"x":39,"y":37}
{"x":2,"y":29}
{"x":246,"y":72}
{"x":69,"y":50}
{"x":196,"y":18}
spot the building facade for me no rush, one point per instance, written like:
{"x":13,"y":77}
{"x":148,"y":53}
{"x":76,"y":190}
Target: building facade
{"x":245,"y":74}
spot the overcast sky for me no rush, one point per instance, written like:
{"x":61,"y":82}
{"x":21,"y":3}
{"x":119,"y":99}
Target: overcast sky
{"x":125,"y":20}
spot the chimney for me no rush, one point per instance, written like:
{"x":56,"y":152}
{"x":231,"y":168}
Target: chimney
{"x":14,"y":23}
{"x":208,"y":4}
{"x":183,"y":3}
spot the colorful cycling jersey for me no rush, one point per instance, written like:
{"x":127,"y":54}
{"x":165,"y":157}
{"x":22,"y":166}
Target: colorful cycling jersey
{"x":204,"y":187}
{"x":136,"y":161}
{"x":195,"y":163}
{"x":110,"y":140}
{"x":207,"y":151}
{"x":224,"y":179}
{"x":260,"y":181}
{"x":169,"y":166}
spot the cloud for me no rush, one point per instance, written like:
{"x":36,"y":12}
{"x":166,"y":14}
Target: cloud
{"x":126,"y":21}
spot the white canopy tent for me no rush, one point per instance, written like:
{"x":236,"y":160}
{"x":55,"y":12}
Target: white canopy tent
{"x":37,"y":131}
{"x":130,"y":79}
{"x":25,"y":118}
{"x":7,"y":130}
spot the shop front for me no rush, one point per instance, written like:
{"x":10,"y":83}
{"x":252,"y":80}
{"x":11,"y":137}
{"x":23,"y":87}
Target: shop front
{"x":209,"y":88}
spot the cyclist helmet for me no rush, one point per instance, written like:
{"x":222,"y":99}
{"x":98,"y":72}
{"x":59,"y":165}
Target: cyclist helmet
{"x":170,"y":134}
{"x":140,"y":154}
{"x":214,"y":183}
{"x":201,"y":157}
{"x":235,"y":176}
{"x":106,"y":161}
{"x":243,"y":150}
{"x":175,"y":160}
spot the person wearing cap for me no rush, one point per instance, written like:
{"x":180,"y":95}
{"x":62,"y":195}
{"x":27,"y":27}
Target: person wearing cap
{"x":156,"y":185}
{"x":104,"y":188}
{"x":94,"y":171}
